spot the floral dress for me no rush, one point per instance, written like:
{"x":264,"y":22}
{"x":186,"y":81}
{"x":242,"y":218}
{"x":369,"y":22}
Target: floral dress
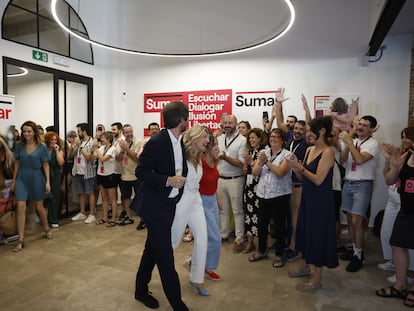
{"x":250,"y":200}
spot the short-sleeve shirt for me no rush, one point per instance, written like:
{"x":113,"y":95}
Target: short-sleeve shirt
{"x":109,"y":166}
{"x":128,"y":165}
{"x":364,"y":171}
{"x":270,"y":185}
{"x":234,"y":147}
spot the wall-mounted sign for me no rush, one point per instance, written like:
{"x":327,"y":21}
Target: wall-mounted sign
{"x":40,"y":56}
{"x":205,"y":107}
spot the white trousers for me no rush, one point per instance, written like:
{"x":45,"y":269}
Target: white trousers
{"x":189,"y":211}
{"x":391,"y":210}
{"x":230,"y":194}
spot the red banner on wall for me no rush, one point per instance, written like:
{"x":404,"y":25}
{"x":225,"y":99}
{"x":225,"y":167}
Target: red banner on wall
{"x":205,"y":107}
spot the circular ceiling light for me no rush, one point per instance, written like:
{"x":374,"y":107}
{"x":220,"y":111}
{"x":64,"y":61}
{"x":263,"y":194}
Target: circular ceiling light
{"x":23,"y":72}
{"x":248,"y":19}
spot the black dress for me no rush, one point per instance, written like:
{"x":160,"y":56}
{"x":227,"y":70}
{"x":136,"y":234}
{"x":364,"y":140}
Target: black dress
{"x":403,"y":230}
{"x":316,"y":228}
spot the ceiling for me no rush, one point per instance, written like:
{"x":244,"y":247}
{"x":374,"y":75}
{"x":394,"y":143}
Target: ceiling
{"x":323,"y":29}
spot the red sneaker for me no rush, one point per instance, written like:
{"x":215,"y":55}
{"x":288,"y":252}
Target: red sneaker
{"x":211,"y":275}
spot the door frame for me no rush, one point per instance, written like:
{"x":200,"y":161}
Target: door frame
{"x":57,"y":75}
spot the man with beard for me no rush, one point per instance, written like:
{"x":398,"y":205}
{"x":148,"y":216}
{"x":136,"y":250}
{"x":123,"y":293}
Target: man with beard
{"x":127,"y":156}
{"x":116,"y":129}
{"x":232,"y":146}
{"x":161,"y":171}
{"x":360,"y":156}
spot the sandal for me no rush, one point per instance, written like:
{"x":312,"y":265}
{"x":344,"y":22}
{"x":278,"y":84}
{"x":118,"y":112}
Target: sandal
{"x":48,"y":233}
{"x":392,"y":292}
{"x":101,"y":221}
{"x":298,"y":273}
{"x":278,"y":262}
{"x":111,"y":224}
{"x":257,"y":257}
{"x":409,"y":302}
{"x":19,"y":246}
{"x":308,"y":286}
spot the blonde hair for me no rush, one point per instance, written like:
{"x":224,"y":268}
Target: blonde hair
{"x":192,"y":153}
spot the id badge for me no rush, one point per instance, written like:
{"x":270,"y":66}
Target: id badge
{"x":409,"y":186}
{"x":249,"y":179}
{"x":353,"y":166}
{"x":102,"y":169}
{"x":125,"y":160}
{"x":268,"y":179}
{"x":78,"y":160}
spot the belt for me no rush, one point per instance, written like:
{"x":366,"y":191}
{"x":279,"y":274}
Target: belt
{"x":230,"y":177}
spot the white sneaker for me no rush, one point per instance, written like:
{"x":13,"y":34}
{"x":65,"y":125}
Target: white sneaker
{"x":55,"y":225}
{"x":387,"y":266}
{"x":91,"y":219}
{"x":393,"y":279}
{"x":79,"y":216}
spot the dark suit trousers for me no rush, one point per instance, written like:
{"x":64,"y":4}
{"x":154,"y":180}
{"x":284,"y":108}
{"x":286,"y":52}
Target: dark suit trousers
{"x":158,"y":250}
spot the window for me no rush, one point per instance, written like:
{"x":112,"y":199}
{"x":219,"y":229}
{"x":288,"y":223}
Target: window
{"x":31,"y":23}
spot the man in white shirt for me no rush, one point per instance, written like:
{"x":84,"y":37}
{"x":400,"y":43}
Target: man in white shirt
{"x":127,"y":156}
{"x":84,"y":173}
{"x":232,"y":146}
{"x":361,"y":157}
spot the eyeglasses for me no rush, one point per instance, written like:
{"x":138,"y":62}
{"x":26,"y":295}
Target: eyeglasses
{"x":274,"y":136}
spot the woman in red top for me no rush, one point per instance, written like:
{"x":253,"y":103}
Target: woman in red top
{"x":208,"y":188}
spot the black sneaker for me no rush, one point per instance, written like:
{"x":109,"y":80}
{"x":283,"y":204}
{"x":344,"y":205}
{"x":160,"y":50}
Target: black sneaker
{"x":141,"y":225}
{"x":355,"y":265}
{"x":291,"y":255}
{"x":122,"y":215}
{"x":126,"y":221}
{"x":348,"y":256}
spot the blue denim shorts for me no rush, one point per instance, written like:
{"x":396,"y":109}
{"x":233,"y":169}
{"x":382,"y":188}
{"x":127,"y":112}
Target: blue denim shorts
{"x":83,"y":185}
{"x":356,"y":196}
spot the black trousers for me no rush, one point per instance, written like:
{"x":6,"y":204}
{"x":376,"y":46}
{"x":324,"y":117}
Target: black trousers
{"x":277,"y":209}
{"x":158,"y":251}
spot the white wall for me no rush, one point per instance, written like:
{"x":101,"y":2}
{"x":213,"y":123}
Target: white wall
{"x":383,"y":86}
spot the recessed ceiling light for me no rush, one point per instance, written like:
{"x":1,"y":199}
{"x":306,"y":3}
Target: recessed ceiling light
{"x":253,"y":46}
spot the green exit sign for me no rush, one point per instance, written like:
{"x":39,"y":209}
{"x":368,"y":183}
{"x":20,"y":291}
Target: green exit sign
{"x":40,"y":56}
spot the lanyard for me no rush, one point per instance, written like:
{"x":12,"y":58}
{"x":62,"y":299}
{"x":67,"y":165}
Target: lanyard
{"x":85,"y":143}
{"x":291,"y":146}
{"x":356,"y":143}
{"x":231,"y":141}
{"x":273,"y":157}
{"x":105,"y":151}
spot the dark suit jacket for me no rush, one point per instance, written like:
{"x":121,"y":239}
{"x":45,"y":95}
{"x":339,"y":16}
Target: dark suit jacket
{"x":155,"y":165}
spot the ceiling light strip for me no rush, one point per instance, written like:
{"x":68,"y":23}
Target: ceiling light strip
{"x":135,"y":52}
{"x":23,"y":73}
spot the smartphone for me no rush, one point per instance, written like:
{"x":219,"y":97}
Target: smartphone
{"x":100,"y":128}
{"x":266,"y":116}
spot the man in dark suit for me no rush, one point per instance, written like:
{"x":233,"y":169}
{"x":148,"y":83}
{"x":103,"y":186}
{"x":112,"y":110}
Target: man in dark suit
{"x":161,"y":169}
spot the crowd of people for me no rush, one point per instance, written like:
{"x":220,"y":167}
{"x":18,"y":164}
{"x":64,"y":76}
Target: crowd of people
{"x":287,"y":181}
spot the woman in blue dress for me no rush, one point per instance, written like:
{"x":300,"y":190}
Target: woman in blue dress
{"x":316,"y":229}
{"x":30,"y":178}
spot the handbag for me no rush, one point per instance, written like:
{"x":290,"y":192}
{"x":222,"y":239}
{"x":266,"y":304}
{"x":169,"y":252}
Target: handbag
{"x":8,"y":217}
{"x":8,"y":222}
